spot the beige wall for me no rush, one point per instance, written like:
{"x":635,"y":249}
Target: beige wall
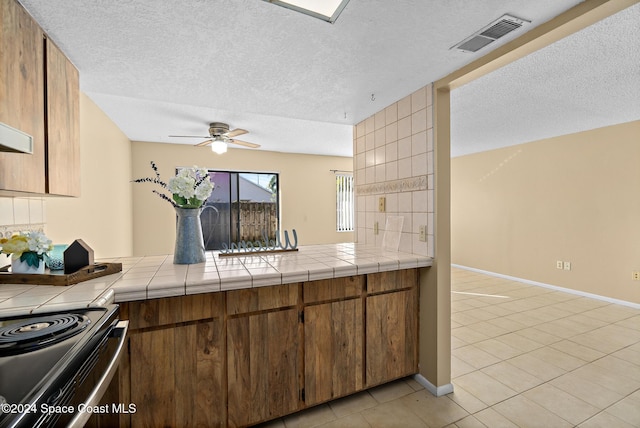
{"x":307,"y":190}
{"x":101,"y":216}
{"x":517,"y":210}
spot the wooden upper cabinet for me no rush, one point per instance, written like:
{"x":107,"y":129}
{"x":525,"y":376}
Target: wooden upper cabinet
{"x":39,"y":95}
{"x":22,"y":97}
{"x":63,"y":130}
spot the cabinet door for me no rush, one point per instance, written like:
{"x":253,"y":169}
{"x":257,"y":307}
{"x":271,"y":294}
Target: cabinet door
{"x":22,"y":96}
{"x":63,"y":133}
{"x":263,"y":368}
{"x":391,"y":336}
{"x":333,"y":336}
{"x":174,"y":372}
{"x":176,"y":376}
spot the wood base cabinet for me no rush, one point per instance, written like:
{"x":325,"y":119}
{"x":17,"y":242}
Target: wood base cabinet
{"x":263,"y":370}
{"x":392,"y":328}
{"x":242,"y":357}
{"x":175,"y":373}
{"x":333,"y":338}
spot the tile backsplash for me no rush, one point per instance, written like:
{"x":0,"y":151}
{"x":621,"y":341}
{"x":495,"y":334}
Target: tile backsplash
{"x":393,"y":159}
{"x":20,"y":214}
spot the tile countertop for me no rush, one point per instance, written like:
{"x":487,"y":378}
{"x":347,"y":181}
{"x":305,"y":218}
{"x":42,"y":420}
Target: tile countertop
{"x":152,"y":277}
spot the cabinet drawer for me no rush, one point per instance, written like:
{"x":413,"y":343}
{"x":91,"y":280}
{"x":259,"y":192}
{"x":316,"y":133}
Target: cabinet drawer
{"x":172,"y":310}
{"x":333,"y":289}
{"x":392,"y":280}
{"x":261,"y":299}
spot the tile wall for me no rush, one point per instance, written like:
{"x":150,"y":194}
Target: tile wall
{"x":20,"y":214}
{"x":393,"y":158}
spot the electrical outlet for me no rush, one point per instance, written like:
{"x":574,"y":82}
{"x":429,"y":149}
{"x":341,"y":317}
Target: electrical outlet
{"x":559,"y":264}
{"x":567,"y":266}
{"x":381,"y":204}
{"x":375,"y":228}
{"x":635,"y":275}
{"x":423,"y":234}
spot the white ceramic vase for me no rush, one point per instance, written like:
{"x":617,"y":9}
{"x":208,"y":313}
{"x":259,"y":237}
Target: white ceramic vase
{"x":18,"y":266}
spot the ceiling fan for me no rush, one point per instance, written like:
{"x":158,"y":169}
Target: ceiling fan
{"x":220,"y":136}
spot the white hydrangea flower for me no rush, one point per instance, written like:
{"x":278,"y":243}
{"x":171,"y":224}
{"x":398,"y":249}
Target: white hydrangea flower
{"x":38,"y":242}
{"x":182,"y":185}
{"x":204,"y":189}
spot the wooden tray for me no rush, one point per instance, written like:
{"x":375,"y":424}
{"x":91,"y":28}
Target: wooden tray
{"x":86,"y":273}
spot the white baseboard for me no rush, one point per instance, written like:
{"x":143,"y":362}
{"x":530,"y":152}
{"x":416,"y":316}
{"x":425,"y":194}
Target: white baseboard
{"x":553,"y":287}
{"x":438,"y":391}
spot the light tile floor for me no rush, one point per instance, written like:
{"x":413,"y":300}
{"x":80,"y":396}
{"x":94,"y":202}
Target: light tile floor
{"x":522,"y":356}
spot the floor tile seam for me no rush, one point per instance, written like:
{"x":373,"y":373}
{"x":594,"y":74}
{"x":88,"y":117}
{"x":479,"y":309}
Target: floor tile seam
{"x":479,"y":320}
{"x":549,"y":410}
{"x":591,"y":380}
{"x":602,"y":386}
{"x":611,"y":354}
{"x":522,"y":329}
{"x":570,"y":315}
{"x":521,"y":394}
{"x":532,"y":374}
{"x":622,"y":399}
{"x":606,"y":354}
{"x":504,"y":334}
{"x":355,"y":412}
{"x":598,"y":350}
{"x":600,"y":413}
{"x":399,"y":401}
{"x":515,"y":356}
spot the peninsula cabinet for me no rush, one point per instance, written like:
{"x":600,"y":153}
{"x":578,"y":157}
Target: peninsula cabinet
{"x":241,"y":357}
{"x":39,"y":90}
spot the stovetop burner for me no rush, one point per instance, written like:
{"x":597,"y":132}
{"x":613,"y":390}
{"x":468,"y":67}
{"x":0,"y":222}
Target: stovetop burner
{"x":29,"y":334}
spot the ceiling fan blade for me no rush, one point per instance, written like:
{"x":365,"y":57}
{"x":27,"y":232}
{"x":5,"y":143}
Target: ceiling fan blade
{"x":188,"y":136}
{"x":244,"y":143}
{"x":236,"y":132}
{"x":204,"y":143}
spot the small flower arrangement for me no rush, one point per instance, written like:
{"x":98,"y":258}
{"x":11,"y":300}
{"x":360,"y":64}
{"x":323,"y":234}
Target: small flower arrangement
{"x":28,"y":247}
{"x":190,"y":188}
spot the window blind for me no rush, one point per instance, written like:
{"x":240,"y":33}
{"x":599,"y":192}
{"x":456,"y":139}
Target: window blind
{"x":344,"y":203}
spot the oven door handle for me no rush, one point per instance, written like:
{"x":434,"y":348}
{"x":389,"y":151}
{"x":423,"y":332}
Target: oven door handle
{"x":119,"y":331}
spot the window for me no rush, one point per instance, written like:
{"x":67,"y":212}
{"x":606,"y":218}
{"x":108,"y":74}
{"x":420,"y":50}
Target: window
{"x":344,"y":202}
{"x":244,"y":206}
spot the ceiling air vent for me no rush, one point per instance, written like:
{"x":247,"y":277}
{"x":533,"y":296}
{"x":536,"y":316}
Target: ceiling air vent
{"x":497,"y":29}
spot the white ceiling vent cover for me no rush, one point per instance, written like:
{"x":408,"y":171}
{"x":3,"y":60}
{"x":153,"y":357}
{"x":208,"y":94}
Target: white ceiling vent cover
{"x":497,"y":29}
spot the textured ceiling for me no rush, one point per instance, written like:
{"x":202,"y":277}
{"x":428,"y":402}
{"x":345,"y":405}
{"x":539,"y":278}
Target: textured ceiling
{"x":585,"y":81}
{"x":295,"y":82}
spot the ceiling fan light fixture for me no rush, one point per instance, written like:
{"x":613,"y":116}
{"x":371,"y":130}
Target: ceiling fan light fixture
{"x":219,"y":146}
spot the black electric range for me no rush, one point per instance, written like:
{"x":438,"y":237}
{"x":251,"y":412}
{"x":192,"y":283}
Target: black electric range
{"x":55,"y":366}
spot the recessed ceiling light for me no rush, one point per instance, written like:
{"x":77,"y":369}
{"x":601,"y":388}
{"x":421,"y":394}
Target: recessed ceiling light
{"x":327,"y":10}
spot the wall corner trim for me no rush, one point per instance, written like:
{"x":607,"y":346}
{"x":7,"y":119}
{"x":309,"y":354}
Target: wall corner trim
{"x":438,"y":391}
